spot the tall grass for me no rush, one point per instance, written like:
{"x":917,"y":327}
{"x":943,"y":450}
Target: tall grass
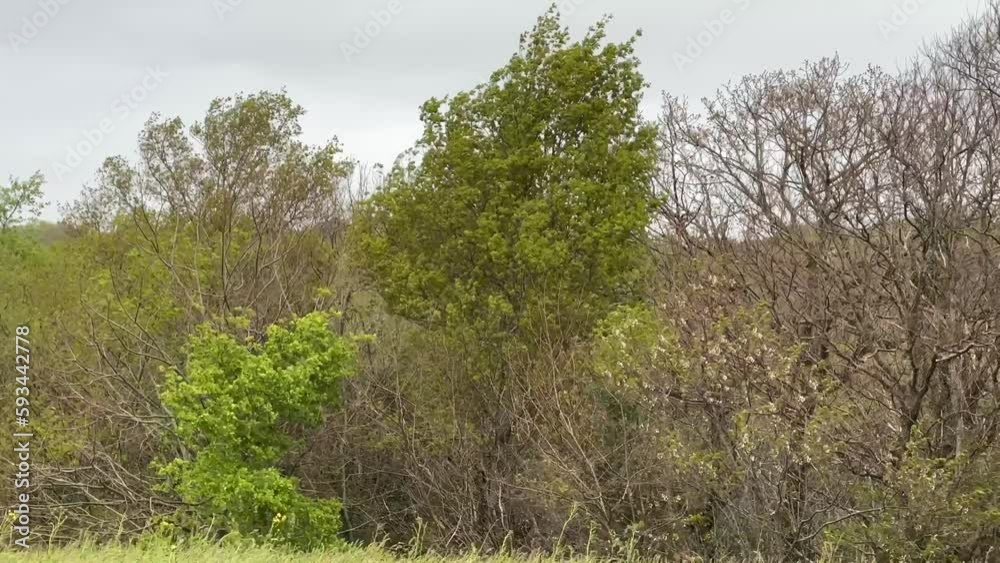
{"x":194,"y":553}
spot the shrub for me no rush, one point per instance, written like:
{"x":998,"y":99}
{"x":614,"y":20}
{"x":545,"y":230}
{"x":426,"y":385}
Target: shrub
{"x":233,"y":407}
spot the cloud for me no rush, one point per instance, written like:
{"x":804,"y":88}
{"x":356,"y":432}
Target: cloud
{"x":92,"y":51}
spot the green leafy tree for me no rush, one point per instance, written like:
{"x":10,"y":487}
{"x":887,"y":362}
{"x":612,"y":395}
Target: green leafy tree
{"x":20,"y":250}
{"x":531,"y":198}
{"x":519,"y":225}
{"x":21,"y":199}
{"x":229,"y":214}
{"x":233,"y":407}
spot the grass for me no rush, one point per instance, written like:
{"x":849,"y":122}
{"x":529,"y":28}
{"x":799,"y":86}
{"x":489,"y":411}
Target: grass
{"x":235,"y":554}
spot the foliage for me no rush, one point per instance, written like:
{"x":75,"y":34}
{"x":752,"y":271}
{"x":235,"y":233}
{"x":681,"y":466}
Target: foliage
{"x":519,"y":225}
{"x":943,"y":511}
{"x":19,"y":200}
{"x":225,"y":552}
{"x":233,"y":406}
{"x":531,"y":196}
{"x":771,"y":331}
{"x":231,"y":216}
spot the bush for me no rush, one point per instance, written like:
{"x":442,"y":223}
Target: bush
{"x":233,"y":408}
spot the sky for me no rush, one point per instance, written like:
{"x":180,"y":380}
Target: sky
{"x":81,"y":77}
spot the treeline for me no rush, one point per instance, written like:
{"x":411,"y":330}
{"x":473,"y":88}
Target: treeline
{"x":769,"y":326}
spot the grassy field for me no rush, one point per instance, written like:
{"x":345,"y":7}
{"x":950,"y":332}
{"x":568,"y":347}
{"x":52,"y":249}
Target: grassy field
{"x":245,"y":554}
{"x":163,"y":554}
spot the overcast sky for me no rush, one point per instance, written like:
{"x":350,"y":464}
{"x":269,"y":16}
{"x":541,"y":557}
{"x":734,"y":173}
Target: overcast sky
{"x":67,"y":64}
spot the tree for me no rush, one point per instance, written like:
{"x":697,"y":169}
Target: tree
{"x":233,"y":406}
{"x":531,"y":197}
{"x":519,"y":224}
{"x":861,"y":211}
{"x":20,"y":199}
{"x":232,"y":217}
